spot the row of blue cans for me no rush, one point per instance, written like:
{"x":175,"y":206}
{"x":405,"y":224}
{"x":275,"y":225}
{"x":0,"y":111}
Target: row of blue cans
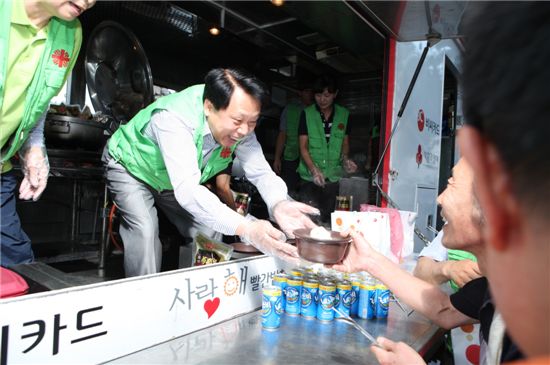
{"x":315,"y":296}
{"x":366,"y":298}
{"x":374,"y":299}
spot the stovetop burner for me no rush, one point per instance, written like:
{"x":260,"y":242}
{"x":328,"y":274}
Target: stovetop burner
{"x":75,"y":163}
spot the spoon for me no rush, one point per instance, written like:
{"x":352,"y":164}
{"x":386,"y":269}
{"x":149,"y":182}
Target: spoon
{"x":352,"y":322}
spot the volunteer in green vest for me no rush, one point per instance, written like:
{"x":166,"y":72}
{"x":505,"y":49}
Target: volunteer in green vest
{"x":160,"y":158}
{"x":287,"y":149}
{"x":324,"y":147}
{"x":39,"y":44}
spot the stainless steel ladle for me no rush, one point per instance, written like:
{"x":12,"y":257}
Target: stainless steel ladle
{"x":352,"y":322}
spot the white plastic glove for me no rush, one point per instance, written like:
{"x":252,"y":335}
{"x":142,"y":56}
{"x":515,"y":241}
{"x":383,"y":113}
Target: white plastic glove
{"x":292,"y":215}
{"x":349,"y":165}
{"x":318,"y":177}
{"x":266,"y":238}
{"x":35,"y":166}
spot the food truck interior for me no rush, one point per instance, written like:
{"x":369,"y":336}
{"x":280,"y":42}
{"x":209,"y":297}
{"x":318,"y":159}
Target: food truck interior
{"x":136,"y":51}
{"x":159,"y":47}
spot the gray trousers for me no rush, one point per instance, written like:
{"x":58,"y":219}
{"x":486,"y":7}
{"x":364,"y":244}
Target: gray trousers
{"x":139,"y":226}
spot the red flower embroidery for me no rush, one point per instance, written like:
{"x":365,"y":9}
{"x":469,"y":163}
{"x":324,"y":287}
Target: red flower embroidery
{"x":341,"y":126}
{"x":61,"y":58}
{"x":225,"y":152}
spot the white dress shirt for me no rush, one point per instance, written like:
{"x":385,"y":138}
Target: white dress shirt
{"x":174,"y":138}
{"x":435,"y":250}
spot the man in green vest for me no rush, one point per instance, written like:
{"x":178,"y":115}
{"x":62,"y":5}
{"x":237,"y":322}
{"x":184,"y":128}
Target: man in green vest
{"x":285,"y":163}
{"x":166,"y":152}
{"x":39,"y":41}
{"x":324,"y":147}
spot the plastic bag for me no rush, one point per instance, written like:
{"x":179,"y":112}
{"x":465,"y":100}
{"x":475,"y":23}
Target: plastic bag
{"x":374,"y":226}
{"x":210,"y":251}
{"x":401,"y":227}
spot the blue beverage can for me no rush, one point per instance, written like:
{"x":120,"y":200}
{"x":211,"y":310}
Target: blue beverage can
{"x":280,"y":280}
{"x":310,"y":288}
{"x":371,"y":288}
{"x":343,"y":298}
{"x":298,"y":271}
{"x":293,"y":294}
{"x":271,"y":307}
{"x":327,"y":296}
{"x":363,"y":302}
{"x":355,"y":283}
{"x":382,"y":301}
{"x":366,"y":307}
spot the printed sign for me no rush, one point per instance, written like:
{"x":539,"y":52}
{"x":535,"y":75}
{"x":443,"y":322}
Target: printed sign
{"x":101,"y":322}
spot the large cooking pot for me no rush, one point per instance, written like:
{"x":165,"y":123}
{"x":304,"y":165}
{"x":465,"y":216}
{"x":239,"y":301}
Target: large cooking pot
{"x":70,"y":132}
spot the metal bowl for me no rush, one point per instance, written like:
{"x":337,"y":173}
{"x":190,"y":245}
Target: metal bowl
{"x":327,"y":251}
{"x":244,"y":248}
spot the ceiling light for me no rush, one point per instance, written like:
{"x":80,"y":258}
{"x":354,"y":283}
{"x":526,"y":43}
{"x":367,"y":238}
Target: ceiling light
{"x":214,"y":30}
{"x":278,"y":2}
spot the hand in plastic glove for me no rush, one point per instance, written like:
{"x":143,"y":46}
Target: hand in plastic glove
{"x":291,"y":215}
{"x":349,"y":165}
{"x":36,"y":168}
{"x":266,"y":238}
{"x":318,"y":177}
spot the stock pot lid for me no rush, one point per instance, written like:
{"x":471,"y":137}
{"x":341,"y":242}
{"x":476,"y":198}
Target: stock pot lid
{"x":118,"y":74}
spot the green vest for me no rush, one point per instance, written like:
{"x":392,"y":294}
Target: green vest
{"x":142,"y":157}
{"x":292,"y":149}
{"x":326,"y":156}
{"x":458,"y":255}
{"x":48,"y":77}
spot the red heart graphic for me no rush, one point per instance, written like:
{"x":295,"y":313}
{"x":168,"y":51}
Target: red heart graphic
{"x":210,"y":306}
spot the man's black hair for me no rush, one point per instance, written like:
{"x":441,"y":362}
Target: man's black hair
{"x":325,"y":82}
{"x":506,"y":84}
{"x":221,"y":82}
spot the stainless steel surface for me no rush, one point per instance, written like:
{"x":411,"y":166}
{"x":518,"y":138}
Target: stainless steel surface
{"x":298,"y":341}
{"x":51,"y":278}
{"x":347,"y":319}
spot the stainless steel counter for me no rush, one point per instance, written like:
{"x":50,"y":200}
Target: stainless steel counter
{"x":241,"y":340}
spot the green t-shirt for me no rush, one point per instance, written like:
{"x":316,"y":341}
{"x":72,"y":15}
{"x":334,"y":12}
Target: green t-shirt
{"x":26,"y":46}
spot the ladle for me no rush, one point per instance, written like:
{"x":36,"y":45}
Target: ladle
{"x":352,"y":322}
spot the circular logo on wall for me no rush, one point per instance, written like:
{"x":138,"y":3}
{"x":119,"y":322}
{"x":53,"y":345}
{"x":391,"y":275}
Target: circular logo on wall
{"x":421,"y":120}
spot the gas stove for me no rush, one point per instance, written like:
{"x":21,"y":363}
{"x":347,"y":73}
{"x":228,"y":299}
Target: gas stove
{"x":75,"y":163}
